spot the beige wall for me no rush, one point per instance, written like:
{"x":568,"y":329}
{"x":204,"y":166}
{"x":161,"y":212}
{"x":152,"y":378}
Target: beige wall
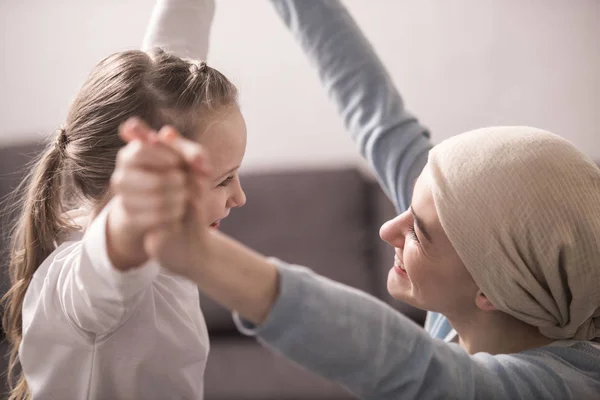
{"x":460,"y":64}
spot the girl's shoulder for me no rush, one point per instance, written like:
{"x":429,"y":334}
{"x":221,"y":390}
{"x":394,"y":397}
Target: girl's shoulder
{"x":54,"y":262}
{"x":79,"y":219}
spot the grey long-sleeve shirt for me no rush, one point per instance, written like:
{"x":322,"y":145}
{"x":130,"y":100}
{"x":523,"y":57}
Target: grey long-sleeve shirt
{"x":350,"y":337}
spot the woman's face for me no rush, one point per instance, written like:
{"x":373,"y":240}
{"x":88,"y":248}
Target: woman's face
{"x":427,"y":272}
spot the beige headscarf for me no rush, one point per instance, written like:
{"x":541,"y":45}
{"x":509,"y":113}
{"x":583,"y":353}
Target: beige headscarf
{"x":521,"y":206}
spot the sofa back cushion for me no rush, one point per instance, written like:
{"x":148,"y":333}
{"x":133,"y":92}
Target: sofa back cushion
{"x":317,"y":218}
{"x":13,"y":167}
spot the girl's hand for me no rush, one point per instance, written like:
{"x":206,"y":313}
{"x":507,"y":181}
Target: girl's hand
{"x":150,"y":185}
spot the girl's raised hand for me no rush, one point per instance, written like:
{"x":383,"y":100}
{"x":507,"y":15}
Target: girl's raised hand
{"x":151,"y":192}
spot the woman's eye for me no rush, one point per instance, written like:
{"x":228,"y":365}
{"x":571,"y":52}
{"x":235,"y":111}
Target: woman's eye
{"x":412,"y":233}
{"x":226,"y":181}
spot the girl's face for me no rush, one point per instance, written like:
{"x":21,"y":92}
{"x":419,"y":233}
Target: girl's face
{"x":427,"y":271}
{"x":225,"y":143}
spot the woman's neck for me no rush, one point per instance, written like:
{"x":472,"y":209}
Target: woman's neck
{"x":496,"y":332}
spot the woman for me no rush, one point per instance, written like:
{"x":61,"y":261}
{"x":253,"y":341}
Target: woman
{"x":501,"y":235}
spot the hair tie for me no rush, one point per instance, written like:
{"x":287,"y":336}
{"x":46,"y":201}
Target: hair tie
{"x":202,"y":67}
{"x":61,"y":139}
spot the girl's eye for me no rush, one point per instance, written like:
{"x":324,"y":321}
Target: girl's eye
{"x":225,"y":182}
{"x":412,"y":233}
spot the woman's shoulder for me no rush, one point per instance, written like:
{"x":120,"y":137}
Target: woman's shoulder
{"x":581,"y":356}
{"x":562,"y":356}
{"x":561,"y":370}
{"x":570,"y":349}
{"x":567,"y":366}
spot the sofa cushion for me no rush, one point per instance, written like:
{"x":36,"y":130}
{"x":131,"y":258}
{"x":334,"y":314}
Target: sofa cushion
{"x":317,"y":218}
{"x":13,"y":168}
{"x":242,"y":369}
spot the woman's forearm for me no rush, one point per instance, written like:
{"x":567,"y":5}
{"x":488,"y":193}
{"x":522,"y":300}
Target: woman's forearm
{"x":237,"y":277}
{"x":389,"y":137}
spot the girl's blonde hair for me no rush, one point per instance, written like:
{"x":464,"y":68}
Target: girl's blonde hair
{"x":158,"y":87}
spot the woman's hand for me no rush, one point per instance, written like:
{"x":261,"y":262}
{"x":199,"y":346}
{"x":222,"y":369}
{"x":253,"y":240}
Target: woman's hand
{"x":182,"y":246}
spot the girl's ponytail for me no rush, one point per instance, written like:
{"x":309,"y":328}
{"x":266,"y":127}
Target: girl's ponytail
{"x":34,"y":238}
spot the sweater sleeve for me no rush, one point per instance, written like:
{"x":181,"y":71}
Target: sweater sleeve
{"x":181,"y":27}
{"x":95,"y":296}
{"x":350,"y":337}
{"x":388,"y":136}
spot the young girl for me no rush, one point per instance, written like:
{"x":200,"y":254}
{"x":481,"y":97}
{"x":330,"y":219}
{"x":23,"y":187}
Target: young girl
{"x":89,"y":314}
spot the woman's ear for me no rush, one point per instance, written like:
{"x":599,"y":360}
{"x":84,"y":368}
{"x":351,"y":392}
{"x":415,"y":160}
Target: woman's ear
{"x":483,"y":302}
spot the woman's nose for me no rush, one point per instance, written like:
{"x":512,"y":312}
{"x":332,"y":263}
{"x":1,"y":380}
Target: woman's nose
{"x":394,"y":231}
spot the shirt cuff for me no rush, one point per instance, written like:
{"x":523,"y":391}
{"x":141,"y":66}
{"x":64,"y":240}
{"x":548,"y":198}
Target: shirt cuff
{"x":291,"y":288}
{"x":127,"y":283}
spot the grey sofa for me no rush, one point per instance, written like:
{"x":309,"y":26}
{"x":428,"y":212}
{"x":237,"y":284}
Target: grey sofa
{"x":325,"y":219}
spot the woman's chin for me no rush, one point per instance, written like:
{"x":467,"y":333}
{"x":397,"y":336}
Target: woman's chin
{"x":400,"y":288}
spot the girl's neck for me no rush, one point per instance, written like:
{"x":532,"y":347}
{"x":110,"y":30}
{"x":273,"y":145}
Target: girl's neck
{"x":496,"y":332}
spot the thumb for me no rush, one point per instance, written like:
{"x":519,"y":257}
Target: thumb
{"x":136,"y":129}
{"x":193,"y":153}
